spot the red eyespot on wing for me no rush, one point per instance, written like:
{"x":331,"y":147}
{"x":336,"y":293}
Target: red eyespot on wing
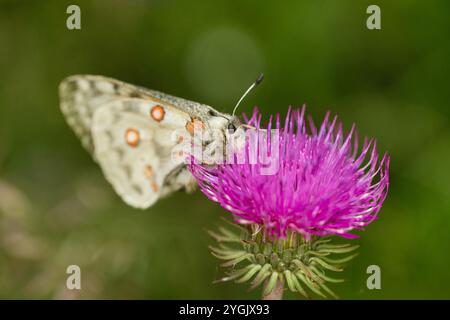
{"x":157,"y":113}
{"x":194,"y":124}
{"x":132,"y":137}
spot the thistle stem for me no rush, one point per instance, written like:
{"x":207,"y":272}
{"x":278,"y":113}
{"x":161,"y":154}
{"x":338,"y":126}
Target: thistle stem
{"x":277,"y":292}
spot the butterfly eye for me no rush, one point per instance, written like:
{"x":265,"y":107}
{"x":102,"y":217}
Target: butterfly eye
{"x":231,"y":127}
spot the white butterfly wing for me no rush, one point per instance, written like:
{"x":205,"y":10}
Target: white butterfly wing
{"x":131,"y":138}
{"x":80,"y":97}
{"x":133,"y":150}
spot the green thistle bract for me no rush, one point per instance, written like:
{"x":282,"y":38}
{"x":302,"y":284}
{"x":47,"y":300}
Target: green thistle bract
{"x":301,"y":265}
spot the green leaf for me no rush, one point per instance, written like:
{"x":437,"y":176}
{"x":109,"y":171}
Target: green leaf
{"x":305,"y":269}
{"x":288,"y":275}
{"x":261,"y":276}
{"x":328,"y":290}
{"x":230,"y":252}
{"x":299,"y":287}
{"x":235,"y":274}
{"x":324,"y":264}
{"x":229,"y":257}
{"x":340,"y":261}
{"x":311,"y":285}
{"x":324,"y":277}
{"x":250,"y":274}
{"x":319,"y":242}
{"x":316,"y":253}
{"x":236,"y":260}
{"x":271,"y":283}
{"x":339,"y":250}
{"x":332,"y":246}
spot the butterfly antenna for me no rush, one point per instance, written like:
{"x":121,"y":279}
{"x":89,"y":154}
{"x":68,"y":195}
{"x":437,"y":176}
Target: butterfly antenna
{"x":254,"y":84}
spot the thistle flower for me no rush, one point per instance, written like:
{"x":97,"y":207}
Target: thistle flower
{"x":321,"y":187}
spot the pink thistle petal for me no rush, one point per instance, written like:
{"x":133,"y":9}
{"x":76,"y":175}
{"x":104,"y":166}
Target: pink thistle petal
{"x":322,"y":186}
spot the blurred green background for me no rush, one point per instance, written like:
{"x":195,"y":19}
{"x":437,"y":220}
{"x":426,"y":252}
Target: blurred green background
{"x":56,"y":209}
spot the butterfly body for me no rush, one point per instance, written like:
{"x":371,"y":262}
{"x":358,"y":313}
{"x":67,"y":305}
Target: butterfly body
{"x":132,"y":133}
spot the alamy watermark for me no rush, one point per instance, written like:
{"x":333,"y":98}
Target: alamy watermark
{"x":373,"y":22}
{"x":214,"y":146}
{"x":73,"y":21}
{"x":73,"y":281}
{"x":374,"y":280}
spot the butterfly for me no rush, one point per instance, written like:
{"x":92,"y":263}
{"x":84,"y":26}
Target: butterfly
{"x":132,"y":133}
